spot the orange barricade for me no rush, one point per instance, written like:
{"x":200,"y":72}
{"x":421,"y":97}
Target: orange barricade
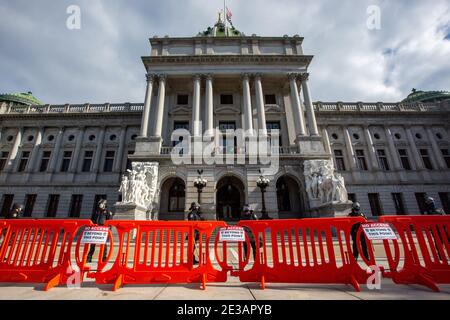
{"x":425,"y":242}
{"x":163,"y":253}
{"x":302,"y":251}
{"x":38,"y":251}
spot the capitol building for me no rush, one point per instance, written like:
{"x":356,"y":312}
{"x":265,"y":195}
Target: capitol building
{"x":60,"y":160}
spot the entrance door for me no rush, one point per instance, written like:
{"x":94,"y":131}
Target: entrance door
{"x":229,"y":199}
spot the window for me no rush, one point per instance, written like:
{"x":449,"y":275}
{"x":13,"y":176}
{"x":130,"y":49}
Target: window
{"x":23,"y":161}
{"x":446,"y":155}
{"x":75,"y":205}
{"x":129,"y":160}
{"x":352,"y":197}
{"x":420,"y":198}
{"x":227,"y":147}
{"x":274,"y":125}
{"x":182,"y":99}
{"x":3,"y":159}
{"x":361,"y":160}
{"x":445,"y":201}
{"x":7,"y":201}
{"x":52,"y":205}
{"x":67,"y":155}
{"x":30,"y":200}
{"x":270,"y":99}
{"x":109,"y":161}
{"x":375,"y":205}
{"x":283,"y":199}
{"x":226,"y":99}
{"x":87,"y":161}
{"x":382,"y":160}
{"x":227,"y":125}
{"x":339,"y":160}
{"x":426,"y":159}
{"x":399,"y":203}
{"x":44,"y":161}
{"x":176,"y":196}
{"x":97,"y":199}
{"x":404,"y":159}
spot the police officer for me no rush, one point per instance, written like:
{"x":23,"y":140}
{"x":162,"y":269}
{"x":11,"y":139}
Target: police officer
{"x":99,"y":217}
{"x":248,"y":214}
{"x":15,"y":211}
{"x":431,"y":208}
{"x":195,"y":215}
{"x":356,"y":212}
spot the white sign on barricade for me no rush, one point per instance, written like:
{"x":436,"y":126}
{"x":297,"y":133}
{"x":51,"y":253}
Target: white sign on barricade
{"x":232,"y":234}
{"x":95,"y":235}
{"x":378,"y":231}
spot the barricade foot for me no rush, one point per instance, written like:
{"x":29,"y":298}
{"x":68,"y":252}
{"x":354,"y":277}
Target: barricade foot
{"x":203,"y":286}
{"x":355,"y":283}
{"x":424,"y":280}
{"x":263,"y":283}
{"x":118,"y":282}
{"x":53,"y":282}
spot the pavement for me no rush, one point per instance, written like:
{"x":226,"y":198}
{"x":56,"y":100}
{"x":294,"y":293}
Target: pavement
{"x":231,"y":290}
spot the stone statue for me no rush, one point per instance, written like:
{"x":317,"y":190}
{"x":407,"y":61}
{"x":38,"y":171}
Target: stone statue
{"x":322,"y":183}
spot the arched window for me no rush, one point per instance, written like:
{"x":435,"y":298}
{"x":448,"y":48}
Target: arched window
{"x":284,"y":202}
{"x":176,"y":196}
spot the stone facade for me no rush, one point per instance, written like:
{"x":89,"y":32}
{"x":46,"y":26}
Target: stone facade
{"x":388,"y":154}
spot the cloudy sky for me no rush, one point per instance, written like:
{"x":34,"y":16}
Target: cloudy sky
{"x":101,"y":61}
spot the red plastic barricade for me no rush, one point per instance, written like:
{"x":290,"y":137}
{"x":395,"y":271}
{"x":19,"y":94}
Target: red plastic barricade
{"x":425,"y":241}
{"x":302,"y":251}
{"x":161,"y":252}
{"x":38,"y":251}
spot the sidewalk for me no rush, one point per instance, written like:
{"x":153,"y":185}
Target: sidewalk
{"x":231,"y":290}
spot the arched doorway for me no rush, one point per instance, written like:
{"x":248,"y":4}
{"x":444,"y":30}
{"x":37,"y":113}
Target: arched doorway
{"x":230,"y":197}
{"x":289,"y":200}
{"x":173,"y":199}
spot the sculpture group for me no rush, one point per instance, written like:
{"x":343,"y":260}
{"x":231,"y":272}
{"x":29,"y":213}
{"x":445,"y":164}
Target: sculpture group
{"x":322,"y":183}
{"x":139,"y":186}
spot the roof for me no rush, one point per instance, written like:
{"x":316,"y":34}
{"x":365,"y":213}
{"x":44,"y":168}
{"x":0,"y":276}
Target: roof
{"x":25,"y":98}
{"x":221,"y":29}
{"x":427,"y":96}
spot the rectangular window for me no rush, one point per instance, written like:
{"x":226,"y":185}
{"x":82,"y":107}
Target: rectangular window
{"x":67,"y":155}
{"x":445,"y":201}
{"x":227,"y":147}
{"x":426,"y":159}
{"x":399,"y":203}
{"x":339,"y":160}
{"x":97,"y":199}
{"x":361,"y":160}
{"x":3,"y":159}
{"x":45,"y":161}
{"x":109,"y":161}
{"x":375,"y":205}
{"x":7,"y":201}
{"x":52,"y":205}
{"x":30,"y":200}
{"x":75,"y":205}
{"x":182,"y":99}
{"x":446,"y":155}
{"x":352,"y":197}
{"x":274,"y":125}
{"x":87,"y":161}
{"x":23,"y":161}
{"x":420,"y":198}
{"x":382,"y":160}
{"x":270,"y":99}
{"x":129,"y":160}
{"x":406,"y":165}
{"x":226,"y":99}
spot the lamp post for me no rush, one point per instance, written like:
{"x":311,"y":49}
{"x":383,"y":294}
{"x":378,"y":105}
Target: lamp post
{"x":200,"y":183}
{"x":263,"y":183}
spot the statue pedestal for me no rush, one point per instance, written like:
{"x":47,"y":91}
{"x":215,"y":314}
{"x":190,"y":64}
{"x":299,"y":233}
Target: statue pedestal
{"x":331,"y":209}
{"x":129,"y":211}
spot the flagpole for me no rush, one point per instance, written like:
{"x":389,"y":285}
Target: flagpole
{"x":224,"y":16}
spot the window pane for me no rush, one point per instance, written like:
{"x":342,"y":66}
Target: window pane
{"x":226,"y":99}
{"x":270,"y":99}
{"x":182,"y":99}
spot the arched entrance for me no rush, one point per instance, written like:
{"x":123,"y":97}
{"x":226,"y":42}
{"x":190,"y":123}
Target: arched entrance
{"x":230,"y":197}
{"x":173,"y":199}
{"x":289,"y":200}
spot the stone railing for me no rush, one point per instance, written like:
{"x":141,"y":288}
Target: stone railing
{"x":232,"y":150}
{"x":376,"y":107}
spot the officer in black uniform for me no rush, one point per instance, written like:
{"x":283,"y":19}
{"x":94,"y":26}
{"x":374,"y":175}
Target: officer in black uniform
{"x":356,"y":212}
{"x":248,"y":214}
{"x":99,"y":217}
{"x":15,"y":211}
{"x":195,"y":215}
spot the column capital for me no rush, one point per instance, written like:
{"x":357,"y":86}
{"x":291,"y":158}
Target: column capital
{"x":245,"y":76}
{"x":304,"y":77}
{"x":197,"y":77}
{"x":150,"y":77}
{"x":293,"y":76}
{"x":162,"y":77}
{"x":258,"y":76}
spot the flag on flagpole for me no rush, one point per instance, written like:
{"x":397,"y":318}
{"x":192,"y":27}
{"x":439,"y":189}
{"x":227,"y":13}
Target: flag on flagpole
{"x":229,"y":14}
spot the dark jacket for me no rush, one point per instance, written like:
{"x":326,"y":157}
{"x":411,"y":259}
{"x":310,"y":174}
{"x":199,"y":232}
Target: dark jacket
{"x":99,"y":218}
{"x":356,"y":226}
{"x":194,"y":215}
{"x":12,"y":214}
{"x":249,"y":215}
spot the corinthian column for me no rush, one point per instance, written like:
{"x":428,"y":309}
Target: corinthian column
{"x":157,"y":129}
{"x":312,"y":124}
{"x":247,"y":102}
{"x":196,"y":107}
{"x":209,"y":121}
{"x":296,"y":106}
{"x":260,"y":105}
{"x":147,"y":105}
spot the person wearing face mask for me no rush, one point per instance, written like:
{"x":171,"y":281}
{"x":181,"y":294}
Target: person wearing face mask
{"x":99,"y":217}
{"x":356,"y":212}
